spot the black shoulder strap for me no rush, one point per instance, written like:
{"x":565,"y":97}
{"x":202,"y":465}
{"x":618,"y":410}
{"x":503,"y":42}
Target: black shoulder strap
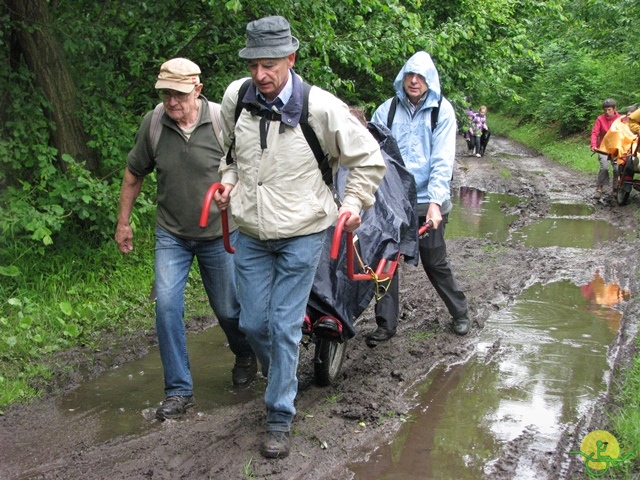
{"x":239,"y":106}
{"x":392,"y":111}
{"x":435,"y":112}
{"x":309,"y":134}
{"x":241,"y":93}
{"x":312,"y":138}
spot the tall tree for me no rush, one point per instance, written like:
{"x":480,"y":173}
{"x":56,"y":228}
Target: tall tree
{"x":43,"y":53}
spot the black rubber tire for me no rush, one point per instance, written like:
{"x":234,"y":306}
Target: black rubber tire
{"x":622,"y":196}
{"x":328,"y":360}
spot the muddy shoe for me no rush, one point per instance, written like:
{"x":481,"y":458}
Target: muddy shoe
{"x":174,"y":406}
{"x":461,"y":325}
{"x":244,"y":370}
{"x":598,"y":193}
{"x":378,"y":336}
{"x":275,"y":445}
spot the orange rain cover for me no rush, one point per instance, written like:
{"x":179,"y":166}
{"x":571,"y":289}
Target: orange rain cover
{"x":618,"y":140}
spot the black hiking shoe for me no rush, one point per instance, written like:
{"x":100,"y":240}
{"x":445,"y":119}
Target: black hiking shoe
{"x":275,"y":445}
{"x":461,"y":325}
{"x":244,"y":370}
{"x":174,"y":406}
{"x":378,"y":336}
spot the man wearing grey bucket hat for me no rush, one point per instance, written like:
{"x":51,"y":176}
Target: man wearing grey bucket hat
{"x":178,"y":139}
{"x":282,"y":206}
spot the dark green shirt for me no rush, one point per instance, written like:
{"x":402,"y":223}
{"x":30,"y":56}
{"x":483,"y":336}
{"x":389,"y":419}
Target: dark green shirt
{"x":185,"y":170}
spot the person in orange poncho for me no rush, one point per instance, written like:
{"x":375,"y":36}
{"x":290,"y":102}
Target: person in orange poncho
{"x":620,"y":141}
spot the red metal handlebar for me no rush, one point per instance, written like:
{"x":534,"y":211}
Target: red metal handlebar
{"x":385,"y":269}
{"x":224,"y":218}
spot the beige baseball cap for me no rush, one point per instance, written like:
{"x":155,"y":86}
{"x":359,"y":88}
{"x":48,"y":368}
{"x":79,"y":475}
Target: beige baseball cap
{"x":178,"y":74}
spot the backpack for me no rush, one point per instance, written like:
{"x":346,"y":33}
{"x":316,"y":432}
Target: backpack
{"x":435,"y":113}
{"x":155,"y":127}
{"x":309,"y":135}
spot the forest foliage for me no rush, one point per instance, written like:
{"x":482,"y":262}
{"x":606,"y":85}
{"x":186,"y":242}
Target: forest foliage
{"x":551,"y":62}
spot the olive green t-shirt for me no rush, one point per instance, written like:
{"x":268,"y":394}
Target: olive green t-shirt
{"x":185,"y":169}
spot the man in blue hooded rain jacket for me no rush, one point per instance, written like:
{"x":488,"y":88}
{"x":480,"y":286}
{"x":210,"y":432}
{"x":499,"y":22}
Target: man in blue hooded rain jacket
{"x":430,"y":156}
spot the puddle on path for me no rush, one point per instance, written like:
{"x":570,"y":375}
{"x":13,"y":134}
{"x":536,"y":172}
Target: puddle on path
{"x":123,"y":400}
{"x":539,"y":364}
{"x":480,"y":214}
{"x":568,"y":233}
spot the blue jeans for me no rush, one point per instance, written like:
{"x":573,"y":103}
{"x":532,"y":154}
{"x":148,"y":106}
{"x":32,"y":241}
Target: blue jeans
{"x":274,"y":282}
{"x":174,"y":257}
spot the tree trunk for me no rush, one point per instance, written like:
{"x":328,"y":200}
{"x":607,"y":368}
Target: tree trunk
{"x":45,"y":58}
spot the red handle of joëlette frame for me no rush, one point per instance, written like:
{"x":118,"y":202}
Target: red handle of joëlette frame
{"x":224,"y":217}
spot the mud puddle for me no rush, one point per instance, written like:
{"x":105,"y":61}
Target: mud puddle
{"x":124,"y":400}
{"x":539,"y":365}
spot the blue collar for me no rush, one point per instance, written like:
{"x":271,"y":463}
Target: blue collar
{"x":292,"y":109}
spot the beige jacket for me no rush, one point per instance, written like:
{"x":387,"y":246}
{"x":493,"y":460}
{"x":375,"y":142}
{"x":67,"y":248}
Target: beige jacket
{"x":279,"y":192}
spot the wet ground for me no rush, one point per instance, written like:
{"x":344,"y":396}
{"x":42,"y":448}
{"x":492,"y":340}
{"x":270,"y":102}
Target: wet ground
{"x":550,"y":277}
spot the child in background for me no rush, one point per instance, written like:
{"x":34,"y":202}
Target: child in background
{"x":478,"y":127}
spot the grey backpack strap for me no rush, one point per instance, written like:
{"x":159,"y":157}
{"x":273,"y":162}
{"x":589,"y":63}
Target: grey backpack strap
{"x":214,"y":112}
{"x":155,"y":127}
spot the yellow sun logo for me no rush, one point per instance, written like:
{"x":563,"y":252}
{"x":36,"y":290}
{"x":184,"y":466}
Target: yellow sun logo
{"x":600,"y":450}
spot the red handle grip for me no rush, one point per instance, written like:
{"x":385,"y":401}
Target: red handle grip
{"x":224,"y":218}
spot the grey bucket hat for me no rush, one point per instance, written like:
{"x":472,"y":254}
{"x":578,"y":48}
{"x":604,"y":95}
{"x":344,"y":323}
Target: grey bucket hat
{"x":269,"y":37}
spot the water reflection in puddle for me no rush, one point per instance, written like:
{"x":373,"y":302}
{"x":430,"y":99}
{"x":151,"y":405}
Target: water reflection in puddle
{"x":570,"y":210}
{"x":568,"y":232}
{"x":480,"y":215}
{"x":539,"y":365}
{"x":123,"y":400}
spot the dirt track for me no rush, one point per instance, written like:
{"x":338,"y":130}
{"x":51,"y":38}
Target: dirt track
{"x":374,"y":381}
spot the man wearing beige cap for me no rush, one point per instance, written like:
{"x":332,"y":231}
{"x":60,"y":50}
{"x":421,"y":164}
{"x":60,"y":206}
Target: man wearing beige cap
{"x":179,"y":140}
{"x":282,"y":206}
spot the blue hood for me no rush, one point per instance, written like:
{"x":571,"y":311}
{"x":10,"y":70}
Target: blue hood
{"x":421,"y":64}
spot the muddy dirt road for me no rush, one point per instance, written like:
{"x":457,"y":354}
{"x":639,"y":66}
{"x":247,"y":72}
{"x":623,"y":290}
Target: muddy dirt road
{"x":341,"y":424}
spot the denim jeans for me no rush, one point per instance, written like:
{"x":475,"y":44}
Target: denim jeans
{"x":274,"y":282}
{"x":174,"y":257}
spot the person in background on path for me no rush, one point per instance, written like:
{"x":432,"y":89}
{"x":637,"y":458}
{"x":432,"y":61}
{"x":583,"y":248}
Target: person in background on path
{"x":466,"y":125}
{"x":186,"y":159}
{"x":282,"y":205}
{"x":430,"y":156}
{"x":620,"y":142}
{"x":600,"y":128}
{"x":478,"y":129}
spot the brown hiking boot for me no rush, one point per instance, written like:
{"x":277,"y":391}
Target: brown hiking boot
{"x":275,"y":445}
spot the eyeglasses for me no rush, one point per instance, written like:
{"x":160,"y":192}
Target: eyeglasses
{"x":167,"y":95}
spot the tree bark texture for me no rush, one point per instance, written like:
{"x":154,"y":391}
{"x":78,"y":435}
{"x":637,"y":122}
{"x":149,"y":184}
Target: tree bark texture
{"x":44,"y":56}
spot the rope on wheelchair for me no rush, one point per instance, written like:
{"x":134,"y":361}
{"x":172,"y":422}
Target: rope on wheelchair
{"x":381,"y":285}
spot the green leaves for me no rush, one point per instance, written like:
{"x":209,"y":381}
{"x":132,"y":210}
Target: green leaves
{"x":9,"y":271}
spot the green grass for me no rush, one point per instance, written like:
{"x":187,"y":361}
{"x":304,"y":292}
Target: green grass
{"x":626,"y":421}
{"x":69,"y":298}
{"x":573,"y":152}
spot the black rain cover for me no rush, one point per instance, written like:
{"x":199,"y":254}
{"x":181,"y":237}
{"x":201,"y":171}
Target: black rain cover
{"x":389,"y":227}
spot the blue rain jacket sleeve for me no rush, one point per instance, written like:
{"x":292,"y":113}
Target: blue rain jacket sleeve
{"x":428,"y":155}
